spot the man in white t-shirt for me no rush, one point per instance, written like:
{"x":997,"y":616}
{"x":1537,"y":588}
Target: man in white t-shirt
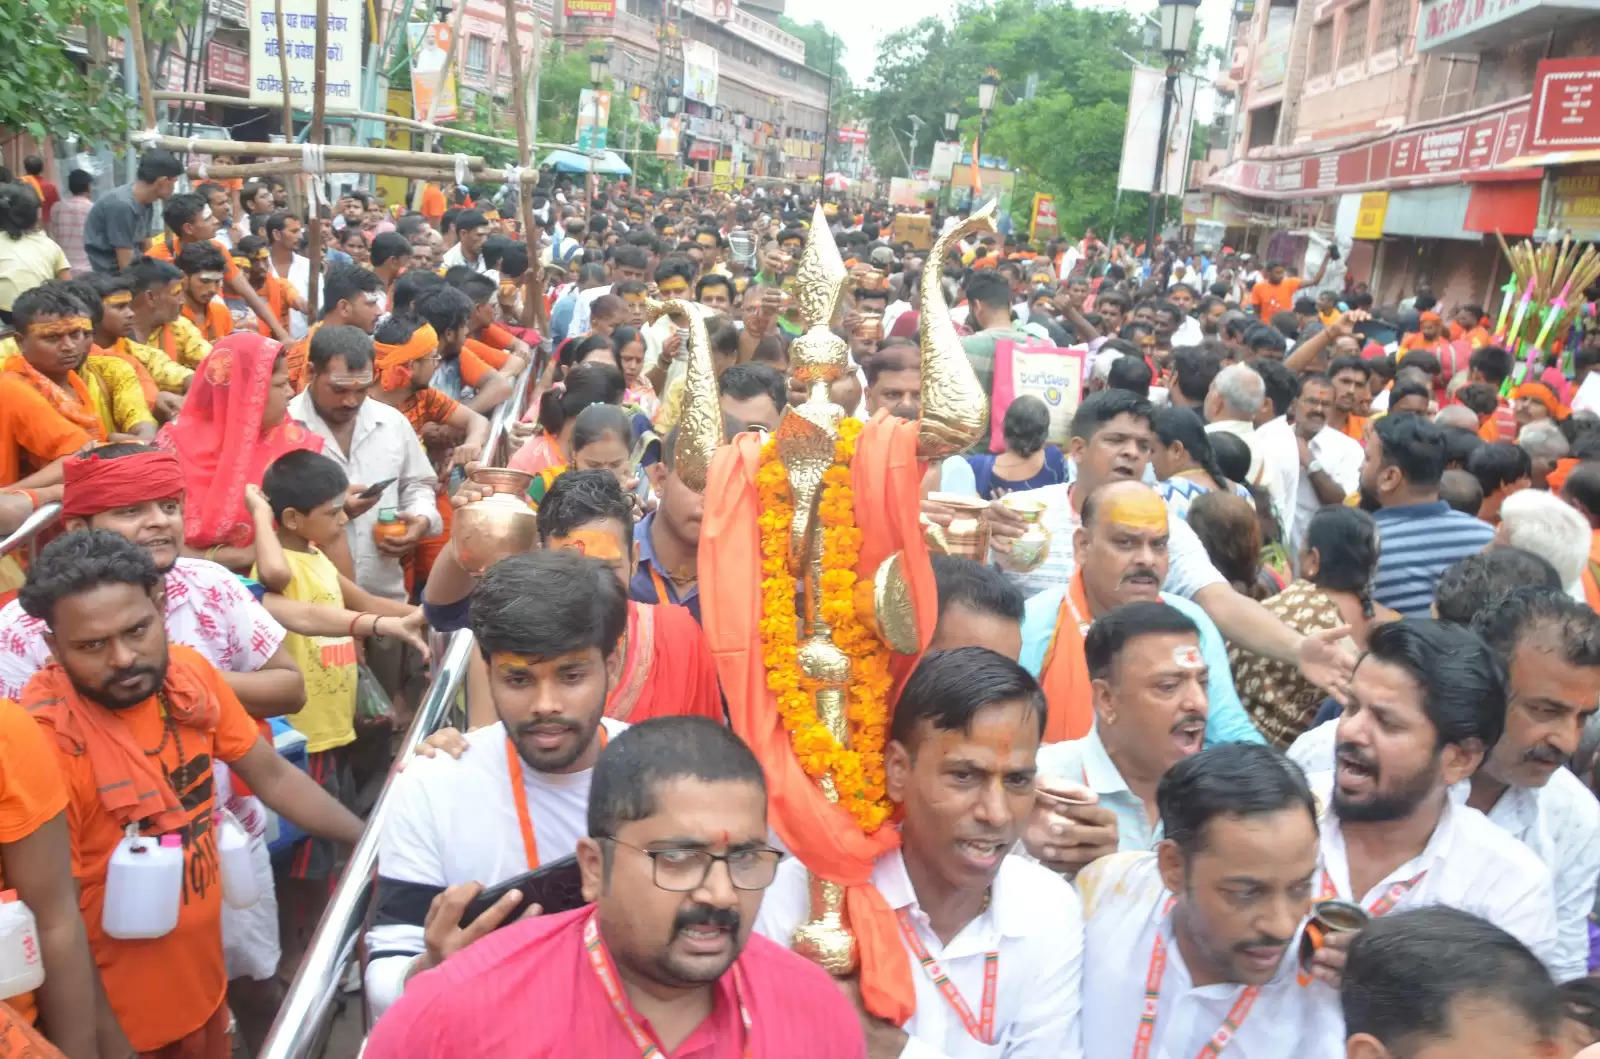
{"x":1112,"y":438}
{"x":549,"y":624}
{"x":1195,"y":946}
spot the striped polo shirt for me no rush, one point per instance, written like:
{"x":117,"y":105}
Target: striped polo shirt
{"x":1416,"y":543}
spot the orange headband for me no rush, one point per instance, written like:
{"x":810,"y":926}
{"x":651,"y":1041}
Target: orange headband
{"x":66,"y":325}
{"x":596,"y":544}
{"x":392,"y":359}
{"x":1542,"y":393}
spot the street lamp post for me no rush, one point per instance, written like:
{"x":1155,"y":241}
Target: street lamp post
{"x":987,"y":85}
{"x":597,"y":76}
{"x":1177,"y":26}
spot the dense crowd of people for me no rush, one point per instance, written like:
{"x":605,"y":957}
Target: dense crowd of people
{"x":1258,"y":718}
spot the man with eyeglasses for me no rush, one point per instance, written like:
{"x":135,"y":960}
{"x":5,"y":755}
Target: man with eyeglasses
{"x":661,"y":962}
{"x":993,"y":941}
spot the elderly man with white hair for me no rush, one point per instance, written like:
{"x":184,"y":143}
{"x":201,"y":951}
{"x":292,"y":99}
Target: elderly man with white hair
{"x":1457,"y":415}
{"x":1545,"y":445}
{"x":1231,"y":406}
{"x":1547,"y":526}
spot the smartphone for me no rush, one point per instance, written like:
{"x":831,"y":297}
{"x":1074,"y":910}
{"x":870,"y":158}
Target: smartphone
{"x":554,"y":887}
{"x":372,"y":492}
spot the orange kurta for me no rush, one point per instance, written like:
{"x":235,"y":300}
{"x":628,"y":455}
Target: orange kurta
{"x":886,"y":478}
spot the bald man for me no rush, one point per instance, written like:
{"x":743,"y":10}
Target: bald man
{"x":1121,"y":552}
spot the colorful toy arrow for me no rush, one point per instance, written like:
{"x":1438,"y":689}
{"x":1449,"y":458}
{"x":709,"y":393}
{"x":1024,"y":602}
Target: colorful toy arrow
{"x":1510,"y":291}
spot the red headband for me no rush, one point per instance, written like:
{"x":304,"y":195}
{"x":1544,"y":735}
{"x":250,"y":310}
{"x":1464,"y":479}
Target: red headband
{"x":92,"y":484}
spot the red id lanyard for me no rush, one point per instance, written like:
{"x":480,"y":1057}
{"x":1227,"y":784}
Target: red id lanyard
{"x":1152,"y":999}
{"x":600,"y":963}
{"x":980,"y":1029}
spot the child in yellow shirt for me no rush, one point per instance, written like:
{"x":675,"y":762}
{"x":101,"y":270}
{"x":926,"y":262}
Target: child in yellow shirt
{"x":298,"y":511}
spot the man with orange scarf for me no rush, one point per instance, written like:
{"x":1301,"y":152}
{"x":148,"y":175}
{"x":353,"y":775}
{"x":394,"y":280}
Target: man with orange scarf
{"x":406,"y":354}
{"x":1121,"y":554}
{"x":136,"y":724}
{"x":666,"y":667}
{"x":53,"y":334}
{"x":39,"y":422}
{"x":1534,"y":400}
{"x":162,"y":380}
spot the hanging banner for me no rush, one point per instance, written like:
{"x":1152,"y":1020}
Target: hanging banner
{"x":700,"y":72}
{"x":1141,"y":139}
{"x":392,"y":189}
{"x":1042,"y":222}
{"x":591,"y":8}
{"x":343,"y":67}
{"x":594,"y":116}
{"x":945,"y":153}
{"x":667,"y":139}
{"x":430,"y":51}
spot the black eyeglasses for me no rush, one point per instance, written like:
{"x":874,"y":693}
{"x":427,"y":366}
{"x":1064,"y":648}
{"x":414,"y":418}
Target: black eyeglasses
{"x":685,"y":870}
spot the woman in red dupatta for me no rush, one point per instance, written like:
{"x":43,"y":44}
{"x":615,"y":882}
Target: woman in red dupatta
{"x":234,"y":423}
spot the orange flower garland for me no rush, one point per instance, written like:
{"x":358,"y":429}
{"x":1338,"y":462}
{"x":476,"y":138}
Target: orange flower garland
{"x":857,"y":770}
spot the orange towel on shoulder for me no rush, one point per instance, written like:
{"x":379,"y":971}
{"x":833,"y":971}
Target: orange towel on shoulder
{"x":131,"y":784}
{"x":1064,"y":676}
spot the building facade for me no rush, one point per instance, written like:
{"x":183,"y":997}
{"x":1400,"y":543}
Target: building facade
{"x":1410,"y":133}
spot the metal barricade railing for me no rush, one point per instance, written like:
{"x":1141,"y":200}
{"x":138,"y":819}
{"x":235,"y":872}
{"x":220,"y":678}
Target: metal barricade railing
{"x":30,"y":529}
{"x":302,"y":1019}
{"x":305,"y":1008}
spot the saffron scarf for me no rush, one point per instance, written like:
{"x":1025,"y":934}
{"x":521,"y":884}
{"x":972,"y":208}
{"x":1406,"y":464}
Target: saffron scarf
{"x":1065,"y":673}
{"x":77,"y":407}
{"x":221,"y":440}
{"x":130,"y":784}
{"x":886,"y":479}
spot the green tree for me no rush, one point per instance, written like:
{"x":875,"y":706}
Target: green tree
{"x":44,"y":92}
{"x":824,"y":49}
{"x":1066,"y":140}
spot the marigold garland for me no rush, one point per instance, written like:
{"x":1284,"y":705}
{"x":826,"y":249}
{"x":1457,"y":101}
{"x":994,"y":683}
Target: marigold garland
{"x":857,"y":770}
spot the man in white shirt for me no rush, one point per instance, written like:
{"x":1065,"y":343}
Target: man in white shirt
{"x":1194,"y":947}
{"x":1426,"y":703}
{"x":374,"y":445}
{"x":994,"y":941}
{"x":1231,"y":406}
{"x":472,"y":230}
{"x":1440,"y":983}
{"x":1309,"y":463}
{"x":1149,"y":695}
{"x":627,"y":262}
{"x":283,"y":242}
{"x":549,"y":624}
{"x":1549,"y":647}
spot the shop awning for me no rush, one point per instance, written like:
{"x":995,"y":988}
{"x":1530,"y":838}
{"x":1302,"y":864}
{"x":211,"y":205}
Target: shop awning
{"x":1550,"y":158}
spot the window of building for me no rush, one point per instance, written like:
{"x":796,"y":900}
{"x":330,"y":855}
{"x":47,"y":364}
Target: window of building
{"x":1353,"y":49}
{"x":1395,"y":19}
{"x":477,"y":55}
{"x":1319,"y":60}
{"x":1264,"y":125}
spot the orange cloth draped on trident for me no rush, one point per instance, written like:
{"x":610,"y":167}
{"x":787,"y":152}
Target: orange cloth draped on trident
{"x":1069,"y":710}
{"x":886,"y":478}
{"x":668,"y":669}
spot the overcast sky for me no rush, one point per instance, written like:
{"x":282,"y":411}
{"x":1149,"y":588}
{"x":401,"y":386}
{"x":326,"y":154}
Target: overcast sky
{"x":863,"y":24}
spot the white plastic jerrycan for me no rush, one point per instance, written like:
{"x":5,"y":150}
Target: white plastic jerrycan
{"x":240,"y":887}
{"x":144,"y":886}
{"x":21,"y":965}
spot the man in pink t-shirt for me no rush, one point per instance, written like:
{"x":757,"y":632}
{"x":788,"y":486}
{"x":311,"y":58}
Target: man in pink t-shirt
{"x":662,"y":962}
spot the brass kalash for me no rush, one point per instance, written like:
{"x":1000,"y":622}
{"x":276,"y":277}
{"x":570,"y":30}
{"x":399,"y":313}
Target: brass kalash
{"x":954,"y":415}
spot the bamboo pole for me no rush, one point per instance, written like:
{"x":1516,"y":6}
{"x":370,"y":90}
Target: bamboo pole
{"x":410,"y":172}
{"x":438,"y":88}
{"x":288,"y":102}
{"x":532,"y":296}
{"x":335,"y":152}
{"x":141,"y":64}
{"x":319,"y":109}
